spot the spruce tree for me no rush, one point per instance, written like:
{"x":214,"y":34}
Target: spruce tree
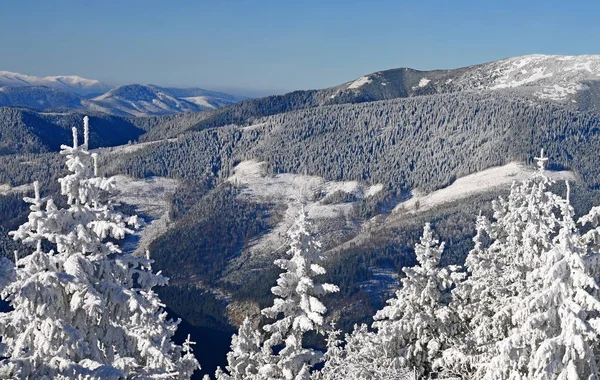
{"x":243,"y":361}
{"x":296,"y":308}
{"x":82,"y":307}
{"x":414,"y":328}
{"x":506,"y":250}
{"x":557,"y":325}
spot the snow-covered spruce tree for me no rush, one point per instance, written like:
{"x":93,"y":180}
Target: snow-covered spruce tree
{"x":360,"y":358}
{"x":414,"y":328}
{"x":244,"y":359}
{"x":557,"y":326}
{"x":505,"y":251}
{"x":85,"y":309}
{"x":296,"y":308}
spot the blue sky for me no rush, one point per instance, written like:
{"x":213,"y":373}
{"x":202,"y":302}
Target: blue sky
{"x":276,"y":46}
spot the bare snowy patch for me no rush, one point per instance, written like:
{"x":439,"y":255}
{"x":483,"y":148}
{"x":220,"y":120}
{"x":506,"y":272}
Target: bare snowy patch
{"x":554,"y":77}
{"x":359,"y":83}
{"x":150,"y":196}
{"x":293,"y":191}
{"x":472,"y":184}
{"x":422,"y":83}
{"x":6,"y":189}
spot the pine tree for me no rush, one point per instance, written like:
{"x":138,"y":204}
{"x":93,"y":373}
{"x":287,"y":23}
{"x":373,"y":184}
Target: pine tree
{"x":243,"y":361}
{"x":85,"y":309}
{"x":557,"y":325}
{"x":360,"y":358}
{"x":415,"y":326}
{"x":297,"y":301}
{"x":506,"y":250}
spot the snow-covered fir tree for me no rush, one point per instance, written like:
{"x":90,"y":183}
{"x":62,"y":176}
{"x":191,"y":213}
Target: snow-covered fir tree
{"x":360,"y":357}
{"x":83,"y":308}
{"x":557,"y":325}
{"x":506,"y":250}
{"x":415,"y":326}
{"x":296,"y":308}
{"x":244,"y":359}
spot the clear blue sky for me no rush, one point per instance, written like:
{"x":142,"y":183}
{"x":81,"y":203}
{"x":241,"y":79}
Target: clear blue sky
{"x":275,"y":46}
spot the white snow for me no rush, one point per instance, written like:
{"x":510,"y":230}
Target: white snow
{"x":150,"y":196}
{"x":553,"y":77}
{"x":73,"y":83}
{"x":423,"y":82}
{"x":202,"y":101}
{"x":359,"y":83}
{"x":292,"y":190}
{"x":6,"y":189}
{"x":474,"y":184}
{"x":253,"y":127}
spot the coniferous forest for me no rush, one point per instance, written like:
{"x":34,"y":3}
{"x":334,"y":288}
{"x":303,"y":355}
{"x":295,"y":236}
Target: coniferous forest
{"x":404,"y":224}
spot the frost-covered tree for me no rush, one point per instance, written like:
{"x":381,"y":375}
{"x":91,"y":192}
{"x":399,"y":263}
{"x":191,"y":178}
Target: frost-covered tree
{"x":244,"y":359}
{"x":82,"y":307}
{"x":557,"y":325}
{"x":506,"y":250}
{"x":414,"y":328}
{"x":296,"y":308}
{"x":359,"y":358}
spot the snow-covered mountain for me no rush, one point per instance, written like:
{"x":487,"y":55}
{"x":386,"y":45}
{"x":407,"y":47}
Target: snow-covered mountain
{"x":76,"y":93}
{"x":71,"y":83}
{"x":552,"y":77}
{"x":143,"y":100}
{"x":140,"y":100}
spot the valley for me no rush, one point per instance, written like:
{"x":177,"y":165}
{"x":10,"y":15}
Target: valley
{"x":220,"y":180}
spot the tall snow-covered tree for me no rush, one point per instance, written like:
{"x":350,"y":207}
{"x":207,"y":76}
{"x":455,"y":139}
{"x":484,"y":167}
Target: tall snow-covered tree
{"x":506,"y":250}
{"x":85,"y":309}
{"x":296,"y":308}
{"x":557,"y":325}
{"x":414,"y":328}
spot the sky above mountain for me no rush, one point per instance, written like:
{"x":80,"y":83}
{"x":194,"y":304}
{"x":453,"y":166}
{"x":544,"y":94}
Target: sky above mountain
{"x":260,"y":47}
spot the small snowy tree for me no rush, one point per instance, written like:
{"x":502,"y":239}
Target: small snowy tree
{"x":360,"y":358}
{"x":243,"y":361}
{"x":296,"y":308}
{"x":85,"y":309}
{"x":557,"y":326}
{"x":414,"y":327}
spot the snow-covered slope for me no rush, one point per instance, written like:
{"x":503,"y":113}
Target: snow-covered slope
{"x":71,"y":83}
{"x":73,"y":92}
{"x":141,"y":100}
{"x":472,"y":184}
{"x":552,"y":77}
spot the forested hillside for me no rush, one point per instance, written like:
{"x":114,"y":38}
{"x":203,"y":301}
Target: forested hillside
{"x":350,"y":158}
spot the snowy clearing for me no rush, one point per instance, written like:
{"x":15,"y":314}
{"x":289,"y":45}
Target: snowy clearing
{"x":359,"y":83}
{"x":150,"y":197}
{"x":6,"y":189}
{"x":293,"y":190}
{"x":423,"y":82}
{"x":474,"y":184}
{"x":202,"y":101}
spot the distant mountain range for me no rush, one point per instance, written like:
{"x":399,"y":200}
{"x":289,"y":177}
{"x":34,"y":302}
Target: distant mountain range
{"x":573,"y":81}
{"x":76,"y":93}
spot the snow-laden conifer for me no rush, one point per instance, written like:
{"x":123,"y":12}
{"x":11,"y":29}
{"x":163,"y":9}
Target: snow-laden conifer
{"x":359,"y":358}
{"x":506,"y":250}
{"x":83,"y":308}
{"x":296,"y":308}
{"x":557,"y":325}
{"x":414,"y":328}
{"x":244,"y":359}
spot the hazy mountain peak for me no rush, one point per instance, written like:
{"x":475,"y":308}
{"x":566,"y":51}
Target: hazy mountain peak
{"x":72,"y":83}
